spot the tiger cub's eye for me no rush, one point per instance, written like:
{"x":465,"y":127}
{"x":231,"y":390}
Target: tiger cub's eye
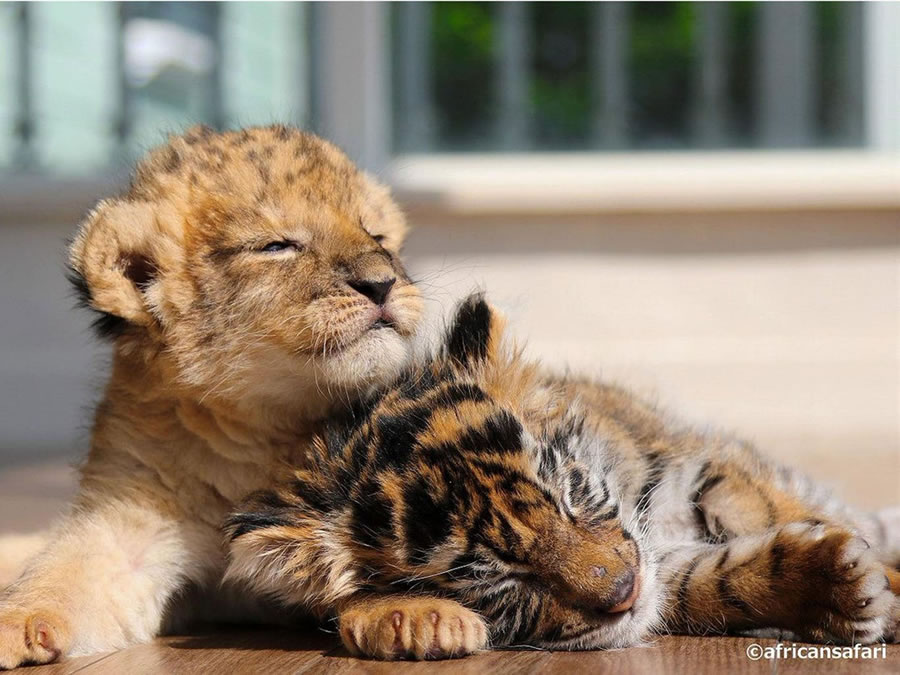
{"x":276,"y":246}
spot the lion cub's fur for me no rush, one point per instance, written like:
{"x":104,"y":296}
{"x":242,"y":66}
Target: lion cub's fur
{"x":235,"y":278}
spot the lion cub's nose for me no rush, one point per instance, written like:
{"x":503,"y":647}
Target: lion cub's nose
{"x":376,"y":291}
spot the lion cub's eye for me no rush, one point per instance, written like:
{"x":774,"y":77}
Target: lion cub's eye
{"x":276,"y":246}
{"x":378,"y":238}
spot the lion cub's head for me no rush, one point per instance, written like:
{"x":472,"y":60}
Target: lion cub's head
{"x":251,"y":261}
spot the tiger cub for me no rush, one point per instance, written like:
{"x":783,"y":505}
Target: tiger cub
{"x":482,"y":502}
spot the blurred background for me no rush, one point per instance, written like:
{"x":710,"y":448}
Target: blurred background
{"x":701,"y":200}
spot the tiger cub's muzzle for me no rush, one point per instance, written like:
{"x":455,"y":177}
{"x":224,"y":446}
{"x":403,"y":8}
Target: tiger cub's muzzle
{"x":595,"y":571}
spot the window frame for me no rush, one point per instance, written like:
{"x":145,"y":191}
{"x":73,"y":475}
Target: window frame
{"x":358,"y":119}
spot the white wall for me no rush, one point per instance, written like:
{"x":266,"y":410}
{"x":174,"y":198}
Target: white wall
{"x":781,"y":326}
{"x":784,"y":327}
{"x":50,"y":368}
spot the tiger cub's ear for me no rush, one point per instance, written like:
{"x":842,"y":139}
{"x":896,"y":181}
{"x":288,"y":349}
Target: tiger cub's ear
{"x":475,"y":333}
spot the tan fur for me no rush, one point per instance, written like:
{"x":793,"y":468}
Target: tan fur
{"x":226,"y":360}
{"x":412,"y":627}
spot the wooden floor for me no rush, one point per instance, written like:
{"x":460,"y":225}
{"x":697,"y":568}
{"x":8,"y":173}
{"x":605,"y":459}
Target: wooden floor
{"x":31,"y":495}
{"x":280,"y":651}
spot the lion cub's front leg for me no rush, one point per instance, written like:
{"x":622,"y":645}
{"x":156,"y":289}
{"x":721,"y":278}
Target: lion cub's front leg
{"x":103,"y":582}
{"x":410,"y":627}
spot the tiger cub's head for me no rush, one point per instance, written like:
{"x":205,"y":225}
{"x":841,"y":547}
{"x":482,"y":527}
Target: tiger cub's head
{"x":459,"y":481}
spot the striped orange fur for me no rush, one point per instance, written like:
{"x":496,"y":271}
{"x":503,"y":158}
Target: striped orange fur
{"x":480,"y":501}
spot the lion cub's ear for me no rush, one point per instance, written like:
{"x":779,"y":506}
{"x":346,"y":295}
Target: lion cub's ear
{"x":113,"y":260}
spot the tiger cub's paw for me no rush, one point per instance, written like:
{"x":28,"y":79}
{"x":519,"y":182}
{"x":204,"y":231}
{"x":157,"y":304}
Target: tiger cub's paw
{"x":847,"y":597}
{"x":412,"y":628}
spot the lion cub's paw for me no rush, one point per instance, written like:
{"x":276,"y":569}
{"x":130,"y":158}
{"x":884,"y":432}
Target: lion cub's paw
{"x":412,"y":628}
{"x":849,"y":596}
{"x":29,"y":637}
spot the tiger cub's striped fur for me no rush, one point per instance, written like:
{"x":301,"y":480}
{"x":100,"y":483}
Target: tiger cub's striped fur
{"x":481,"y":500}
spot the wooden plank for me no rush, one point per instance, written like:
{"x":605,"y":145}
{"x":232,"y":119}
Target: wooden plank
{"x":69,"y":666}
{"x":224,"y":650}
{"x":506,"y":662}
{"x":243,"y":650}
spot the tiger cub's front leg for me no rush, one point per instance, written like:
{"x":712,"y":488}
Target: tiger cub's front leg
{"x":410,"y":627}
{"x":818,"y":581}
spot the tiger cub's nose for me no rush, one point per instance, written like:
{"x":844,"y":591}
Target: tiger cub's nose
{"x":623,"y":595}
{"x":375,"y":290}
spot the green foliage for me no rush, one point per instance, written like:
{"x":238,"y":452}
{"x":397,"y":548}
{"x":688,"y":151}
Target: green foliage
{"x":660,"y":63}
{"x":741,"y":79}
{"x":560,"y":88}
{"x":662,"y":60}
{"x":463,"y":59}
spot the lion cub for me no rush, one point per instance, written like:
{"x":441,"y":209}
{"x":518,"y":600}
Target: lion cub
{"x":251,"y":285}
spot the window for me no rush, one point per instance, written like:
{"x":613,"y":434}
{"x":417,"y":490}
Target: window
{"x":90,"y":86}
{"x":86,"y":87}
{"x":645,"y":75}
